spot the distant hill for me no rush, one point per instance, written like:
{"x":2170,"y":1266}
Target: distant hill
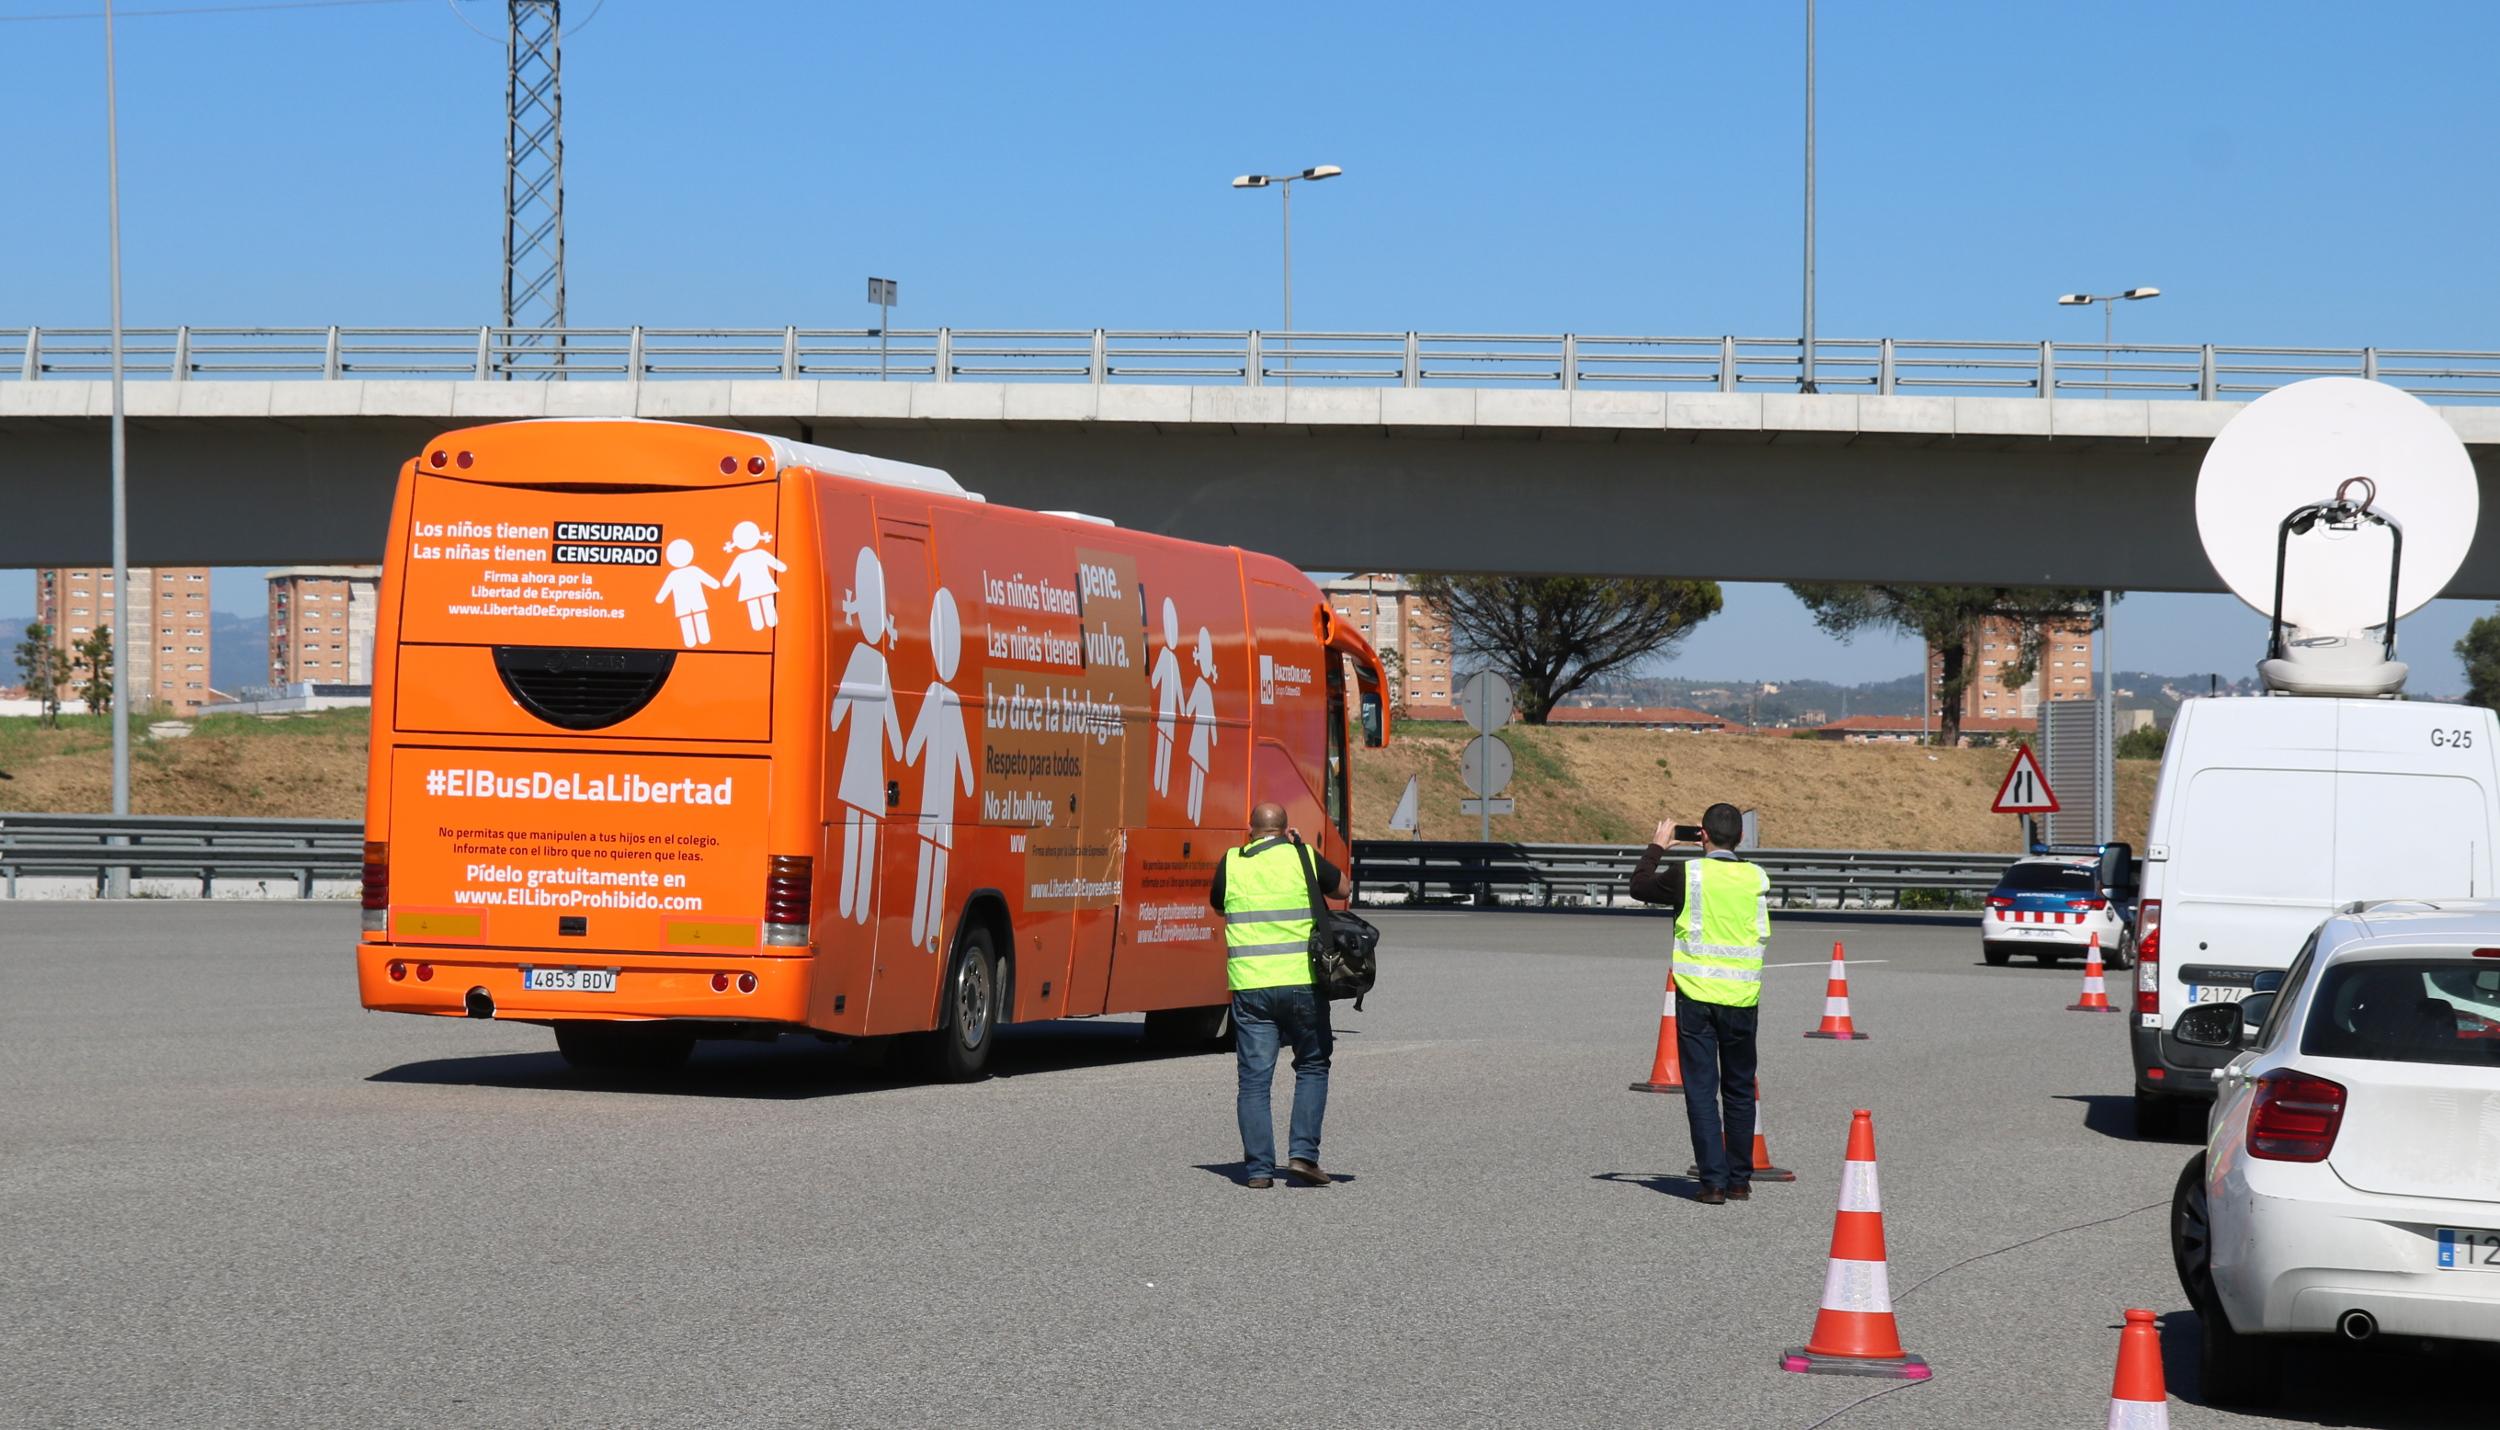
{"x":1816,"y":702}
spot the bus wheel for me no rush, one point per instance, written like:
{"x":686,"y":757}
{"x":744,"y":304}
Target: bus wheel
{"x":959,"y":1051}
{"x":1207,"y":1029}
{"x":622,"y":1047}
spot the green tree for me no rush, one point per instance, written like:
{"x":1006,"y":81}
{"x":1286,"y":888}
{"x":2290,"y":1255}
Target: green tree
{"x":1947,"y":619}
{"x":94,"y":668}
{"x":2144,"y":742}
{"x":41,"y":669}
{"x":2480,"y":650}
{"x":1553,"y":634}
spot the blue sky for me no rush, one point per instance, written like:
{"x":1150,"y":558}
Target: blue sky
{"x":2285,"y":172}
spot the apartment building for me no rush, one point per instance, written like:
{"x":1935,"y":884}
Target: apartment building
{"x":2064,"y":672}
{"x":321,"y":623}
{"x":167,"y":662}
{"x":1400,"y":624}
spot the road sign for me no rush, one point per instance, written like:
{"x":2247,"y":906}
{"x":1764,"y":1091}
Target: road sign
{"x":1484,"y":701}
{"x":883,"y":292}
{"x":1410,"y":806}
{"x":1486,"y":766}
{"x":1484,"y":806}
{"x":2026,"y":790}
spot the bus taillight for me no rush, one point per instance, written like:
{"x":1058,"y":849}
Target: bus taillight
{"x":789,"y":888}
{"x":377,"y":886}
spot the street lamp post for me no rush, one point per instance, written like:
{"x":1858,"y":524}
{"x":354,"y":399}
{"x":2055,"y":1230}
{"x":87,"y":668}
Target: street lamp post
{"x":1805,"y":370}
{"x":1285,"y":183}
{"x":118,"y":879}
{"x":2107,"y":301}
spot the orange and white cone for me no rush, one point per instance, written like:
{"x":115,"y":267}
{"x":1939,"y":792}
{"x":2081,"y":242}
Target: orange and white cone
{"x":1763,"y":1171}
{"x":2095,"y":992}
{"x":1836,"y":1022}
{"x":2137,"y":1398}
{"x":1854,"y":1333}
{"x":1666,"y":1070}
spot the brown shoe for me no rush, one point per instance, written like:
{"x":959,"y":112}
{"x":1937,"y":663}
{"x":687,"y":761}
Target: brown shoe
{"x":1307,"y":1173}
{"x":1711,"y":1197}
{"x":1742,"y":1191}
{"x":1260,"y":1184}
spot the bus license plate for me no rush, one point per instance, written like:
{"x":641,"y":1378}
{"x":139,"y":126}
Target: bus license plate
{"x":569,"y":980}
{"x":2215,"y":993}
{"x":2468,"y":1250}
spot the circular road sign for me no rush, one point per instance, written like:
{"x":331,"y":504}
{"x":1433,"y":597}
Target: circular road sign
{"x":1485,"y":766}
{"x":1484,"y":702}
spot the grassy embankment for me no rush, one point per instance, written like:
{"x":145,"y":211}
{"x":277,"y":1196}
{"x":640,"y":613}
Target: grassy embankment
{"x":1572,"y":786}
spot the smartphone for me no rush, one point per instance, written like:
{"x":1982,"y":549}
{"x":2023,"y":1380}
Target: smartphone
{"x":1688,"y":833}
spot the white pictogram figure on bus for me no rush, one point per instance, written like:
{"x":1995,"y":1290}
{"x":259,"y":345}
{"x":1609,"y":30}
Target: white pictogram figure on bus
{"x":866,"y":697}
{"x":751,"y":571}
{"x":1167,"y":681}
{"x":944,"y":752}
{"x":687,"y":582}
{"x":1200,"y":708}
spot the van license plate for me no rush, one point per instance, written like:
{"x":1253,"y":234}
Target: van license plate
{"x":2215,"y":993}
{"x":569,"y":980}
{"x":2468,"y":1250}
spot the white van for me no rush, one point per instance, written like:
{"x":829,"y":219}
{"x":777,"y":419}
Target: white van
{"x":2271,"y":814}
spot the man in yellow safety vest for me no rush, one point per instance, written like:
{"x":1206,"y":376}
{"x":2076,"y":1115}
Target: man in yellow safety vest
{"x":1265,"y":897}
{"x":1722,"y":911}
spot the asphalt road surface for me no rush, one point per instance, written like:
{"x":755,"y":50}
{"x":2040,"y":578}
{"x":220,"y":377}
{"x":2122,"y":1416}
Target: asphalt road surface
{"x":230,"y":1197}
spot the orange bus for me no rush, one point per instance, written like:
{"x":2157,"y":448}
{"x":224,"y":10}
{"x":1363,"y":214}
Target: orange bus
{"x":682,"y":732}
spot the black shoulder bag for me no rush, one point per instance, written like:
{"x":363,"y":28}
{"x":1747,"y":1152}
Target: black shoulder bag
{"x":1345,"y":950}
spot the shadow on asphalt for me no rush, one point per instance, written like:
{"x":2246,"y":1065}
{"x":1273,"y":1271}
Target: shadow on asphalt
{"x":2113,"y":1115}
{"x":799,"y":1067}
{"x":1236,"y":1173}
{"x":1661,"y":1182}
{"x":2403,"y":1385}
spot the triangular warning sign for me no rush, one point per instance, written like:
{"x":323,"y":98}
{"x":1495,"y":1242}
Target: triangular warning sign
{"x":2026,"y":789}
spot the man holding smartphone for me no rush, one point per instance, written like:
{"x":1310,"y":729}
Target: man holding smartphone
{"x":1722,"y":912}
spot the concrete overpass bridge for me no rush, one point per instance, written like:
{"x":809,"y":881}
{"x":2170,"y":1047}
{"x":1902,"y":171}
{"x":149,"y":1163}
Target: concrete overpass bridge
{"x":1994,"y":463}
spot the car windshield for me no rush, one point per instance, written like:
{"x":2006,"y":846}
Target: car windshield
{"x":2417,"y":1011}
{"x":2052,"y":878}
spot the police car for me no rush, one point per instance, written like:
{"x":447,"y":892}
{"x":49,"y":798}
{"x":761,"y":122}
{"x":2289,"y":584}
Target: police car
{"x":2053,"y":904}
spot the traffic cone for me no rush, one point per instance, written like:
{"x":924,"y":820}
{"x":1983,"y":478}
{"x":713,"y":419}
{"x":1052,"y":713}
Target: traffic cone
{"x":1854,"y":1333}
{"x":2095,"y":993}
{"x":1836,"y":1022}
{"x":2137,"y":1398}
{"x":1666,"y":1070}
{"x":1763,"y":1171}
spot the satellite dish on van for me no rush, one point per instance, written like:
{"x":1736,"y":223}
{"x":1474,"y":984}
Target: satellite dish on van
{"x":2336,"y":506}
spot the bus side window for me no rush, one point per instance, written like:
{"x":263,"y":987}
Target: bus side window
{"x":1335,"y":786}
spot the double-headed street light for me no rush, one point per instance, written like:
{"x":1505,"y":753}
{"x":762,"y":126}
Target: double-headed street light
{"x":2107,"y":301}
{"x":1285,"y":182}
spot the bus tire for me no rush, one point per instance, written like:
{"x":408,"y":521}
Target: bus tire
{"x":959,"y":1051}
{"x":1194,"y":1029}
{"x":629,"y":1048}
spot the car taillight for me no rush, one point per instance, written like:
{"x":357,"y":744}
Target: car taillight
{"x":1999,"y":901}
{"x":2148,"y":957}
{"x":2295,"y":1117}
{"x":789,"y":888}
{"x":2088,"y":905}
{"x":377,"y":886}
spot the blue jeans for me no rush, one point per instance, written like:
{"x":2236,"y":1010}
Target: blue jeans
{"x":1716,"y":1044}
{"x":1264,"y":1019}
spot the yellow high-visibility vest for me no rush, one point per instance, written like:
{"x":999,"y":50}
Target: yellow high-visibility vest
{"x":1267,"y":916}
{"x":1721,"y":932}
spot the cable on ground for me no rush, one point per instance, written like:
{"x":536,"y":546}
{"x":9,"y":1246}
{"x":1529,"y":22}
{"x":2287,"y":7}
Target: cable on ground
{"x":1966,"y":1261}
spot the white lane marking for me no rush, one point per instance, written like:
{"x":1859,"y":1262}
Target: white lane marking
{"x":1826,"y":963}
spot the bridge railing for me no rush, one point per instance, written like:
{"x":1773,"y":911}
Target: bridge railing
{"x":1600,"y":873}
{"x":1564,"y":361}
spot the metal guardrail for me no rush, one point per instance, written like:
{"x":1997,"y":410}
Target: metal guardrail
{"x":157,"y":846}
{"x":1885,"y":366}
{"x":1813,"y":878}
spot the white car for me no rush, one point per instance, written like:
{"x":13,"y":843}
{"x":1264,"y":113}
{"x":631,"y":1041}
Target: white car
{"x":2054,"y":905}
{"x":2350,"y":1184}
